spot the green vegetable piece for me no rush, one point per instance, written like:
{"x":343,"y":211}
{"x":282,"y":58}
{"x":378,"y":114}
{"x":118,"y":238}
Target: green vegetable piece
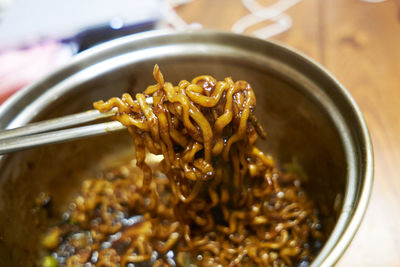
{"x":49,"y":261}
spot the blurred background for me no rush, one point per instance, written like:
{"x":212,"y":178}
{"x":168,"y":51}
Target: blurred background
{"x":358,"y":41}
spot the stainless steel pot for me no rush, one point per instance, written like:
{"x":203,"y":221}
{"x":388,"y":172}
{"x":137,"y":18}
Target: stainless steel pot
{"x":308,"y":115}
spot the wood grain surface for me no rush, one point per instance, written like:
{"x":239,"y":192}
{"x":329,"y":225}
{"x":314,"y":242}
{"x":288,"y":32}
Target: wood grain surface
{"x":359,"y":43}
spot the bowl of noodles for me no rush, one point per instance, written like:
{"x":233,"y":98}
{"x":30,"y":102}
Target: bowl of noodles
{"x":237,"y":152}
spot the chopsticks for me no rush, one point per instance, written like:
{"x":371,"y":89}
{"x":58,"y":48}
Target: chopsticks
{"x":41,"y":133}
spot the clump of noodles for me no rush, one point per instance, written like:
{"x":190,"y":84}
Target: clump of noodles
{"x":190,"y":124}
{"x":222,"y":202}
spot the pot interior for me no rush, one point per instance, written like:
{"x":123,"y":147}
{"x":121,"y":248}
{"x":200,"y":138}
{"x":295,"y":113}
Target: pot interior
{"x":294,"y":112}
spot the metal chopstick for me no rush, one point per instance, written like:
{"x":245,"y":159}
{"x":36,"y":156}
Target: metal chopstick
{"x":30,"y":141}
{"x":40,"y":133}
{"x":58,"y":123}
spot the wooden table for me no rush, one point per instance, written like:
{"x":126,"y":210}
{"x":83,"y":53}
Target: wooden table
{"x":359,"y":43}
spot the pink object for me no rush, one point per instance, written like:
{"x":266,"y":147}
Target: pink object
{"x":20,"y":67}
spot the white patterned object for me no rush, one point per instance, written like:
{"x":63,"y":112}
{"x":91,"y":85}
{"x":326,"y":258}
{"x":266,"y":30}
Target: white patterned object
{"x":281,"y":22}
{"x":172,"y":19}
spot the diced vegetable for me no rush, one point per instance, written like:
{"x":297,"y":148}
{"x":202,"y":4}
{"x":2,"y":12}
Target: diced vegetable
{"x":50,"y":241}
{"x":49,"y":261}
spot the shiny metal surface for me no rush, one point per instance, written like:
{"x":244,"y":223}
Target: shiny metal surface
{"x":307,"y":113}
{"x":40,"y":133}
{"x":26,"y":142}
{"x":57,"y":123}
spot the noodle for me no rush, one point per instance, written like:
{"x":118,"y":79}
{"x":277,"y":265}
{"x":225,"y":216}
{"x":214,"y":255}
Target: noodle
{"x":222,"y":201}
